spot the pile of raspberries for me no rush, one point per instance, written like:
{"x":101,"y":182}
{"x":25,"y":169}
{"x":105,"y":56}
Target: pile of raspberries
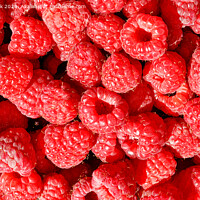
{"x":100,"y":100}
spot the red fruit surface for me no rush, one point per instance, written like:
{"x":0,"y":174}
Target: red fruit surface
{"x":1,"y":35}
{"x":2,"y":14}
{"x":35,"y":63}
{"x":196,"y":26}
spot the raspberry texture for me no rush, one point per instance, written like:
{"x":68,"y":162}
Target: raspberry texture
{"x":144,"y":37}
{"x":104,"y":31}
{"x":143,"y":135}
{"x":2,"y":14}
{"x":119,"y":74}
{"x":17,"y":187}
{"x":15,"y":75}
{"x":102,"y":111}
{"x":85,"y":64}
{"x":68,"y":145}
{"x":196,"y":26}
{"x":17,"y":153}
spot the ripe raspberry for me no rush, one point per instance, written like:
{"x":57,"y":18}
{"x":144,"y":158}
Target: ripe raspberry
{"x":167,"y":73}
{"x":143,"y":135}
{"x":114,"y":181}
{"x":104,"y":30}
{"x":4,"y":50}
{"x":196,"y":159}
{"x":102,"y":111}
{"x":68,"y":145}
{"x":15,"y":75}
{"x":55,"y":187}
{"x":107,"y":148}
{"x":2,"y":14}
{"x":10,"y":117}
{"x":17,"y":153}
{"x":133,"y":7}
{"x":17,"y":187}
{"x":119,"y":74}
{"x":157,"y":169}
{"x":196,"y":26}
{"x":1,"y":36}
{"x":181,"y":140}
{"x":35,"y":63}
{"x":85,"y":64}
{"x":144,"y":37}
{"x":26,"y":102}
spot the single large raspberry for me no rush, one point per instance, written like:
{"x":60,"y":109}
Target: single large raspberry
{"x":144,"y":37}
{"x":104,"y":30}
{"x":85,"y":64}
{"x":143,"y":135}
{"x":154,"y":170}
{"x":17,"y":187}
{"x":27,"y":101}
{"x":119,"y":74}
{"x":196,"y":26}
{"x":17,"y":153}
{"x":102,"y":111}
{"x":114,"y":181}
{"x":68,"y":145}
{"x":15,"y":75}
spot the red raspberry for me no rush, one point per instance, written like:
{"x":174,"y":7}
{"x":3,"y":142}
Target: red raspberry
{"x":181,"y":140}
{"x":10,"y":117}
{"x":196,"y":26}
{"x":30,"y":38}
{"x":144,"y":37}
{"x":26,"y":102}
{"x":102,"y":111}
{"x":196,"y":159}
{"x":133,"y":7}
{"x":104,"y":30}
{"x":2,"y":14}
{"x":85,"y":64}
{"x":1,"y":36}
{"x":4,"y":50}
{"x":119,"y":74}
{"x":68,"y":145}
{"x":114,"y":181}
{"x":107,"y":148}
{"x":140,"y":99}
{"x":15,"y":75}
{"x":17,"y":153}
{"x":36,"y":63}
{"x":167,"y":73}
{"x":56,"y":188}
{"x":143,"y":135}
{"x":58,"y":102}
{"x":157,"y":169}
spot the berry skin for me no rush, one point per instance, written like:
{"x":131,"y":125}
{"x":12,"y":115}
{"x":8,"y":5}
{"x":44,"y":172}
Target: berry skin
{"x":68,"y":145}
{"x":2,"y":14}
{"x":144,"y":37}
{"x":119,"y":74}
{"x":56,"y":188}
{"x":196,"y":26}
{"x":104,"y":31}
{"x":17,"y":187}
{"x":30,"y":38}
{"x":85,"y":64}
{"x":143,"y":135}
{"x":15,"y":75}
{"x":26,"y":102}
{"x":102,"y":111}
{"x":167,"y":73}
{"x":17,"y":153}
{"x":157,"y":169}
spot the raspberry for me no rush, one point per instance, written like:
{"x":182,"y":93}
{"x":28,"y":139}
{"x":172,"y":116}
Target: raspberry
{"x":17,"y":153}
{"x":26,"y":102}
{"x":133,"y":7}
{"x":181,"y":140}
{"x":144,"y":37}
{"x":35,"y":63}
{"x":10,"y":117}
{"x":15,"y":75}
{"x":157,"y":169}
{"x":167,"y":73}
{"x":107,"y":148}
{"x":58,"y":102}
{"x":2,"y":14}
{"x":68,"y":145}
{"x":4,"y":50}
{"x":85,"y":64}
{"x":140,"y":99}
{"x":196,"y":26}
{"x":104,"y":30}
{"x":1,"y":36}
{"x":119,"y":74}
{"x":196,"y":159}
{"x":143,"y":135}
{"x":114,"y":181}
{"x":17,"y":187}
{"x":102,"y":111}
{"x":55,"y":187}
